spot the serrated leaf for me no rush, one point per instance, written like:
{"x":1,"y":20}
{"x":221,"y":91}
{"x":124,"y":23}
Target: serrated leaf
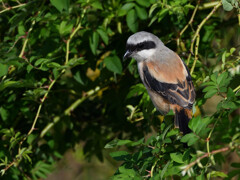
{"x":113,"y":63}
{"x":190,"y":139}
{"x":177,"y":157}
{"x":198,"y":124}
{"x":213,"y":77}
{"x":208,"y":88}
{"x":210,"y":93}
{"x":222,"y":77}
{"x":61,"y":4}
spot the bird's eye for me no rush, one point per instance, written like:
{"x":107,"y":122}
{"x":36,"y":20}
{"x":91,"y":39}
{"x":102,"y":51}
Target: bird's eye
{"x":140,"y":46}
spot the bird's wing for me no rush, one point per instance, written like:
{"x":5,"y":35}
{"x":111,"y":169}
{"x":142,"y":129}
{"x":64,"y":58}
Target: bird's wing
{"x":173,"y":82}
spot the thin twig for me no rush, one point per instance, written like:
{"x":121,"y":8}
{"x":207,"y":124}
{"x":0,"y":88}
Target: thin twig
{"x":206,"y":155}
{"x":13,"y":7}
{"x":26,"y":39}
{"x":189,"y":23}
{"x":196,"y":34}
{"x":196,"y":54}
{"x":236,"y":89}
{"x":208,"y":5}
{"x":73,"y":106}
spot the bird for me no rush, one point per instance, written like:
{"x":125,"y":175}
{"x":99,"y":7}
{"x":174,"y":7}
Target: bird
{"x":165,"y":76}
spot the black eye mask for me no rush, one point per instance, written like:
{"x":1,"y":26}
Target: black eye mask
{"x":141,"y":46}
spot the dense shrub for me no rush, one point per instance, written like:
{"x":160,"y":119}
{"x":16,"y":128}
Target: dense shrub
{"x":62,"y":81}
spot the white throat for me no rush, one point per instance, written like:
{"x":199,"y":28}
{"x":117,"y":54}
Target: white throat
{"x":144,"y":54}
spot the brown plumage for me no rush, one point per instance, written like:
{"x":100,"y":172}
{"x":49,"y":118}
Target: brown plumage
{"x":165,"y":77}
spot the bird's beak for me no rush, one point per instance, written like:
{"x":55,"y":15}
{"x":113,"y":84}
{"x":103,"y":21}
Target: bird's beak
{"x":127,"y":55}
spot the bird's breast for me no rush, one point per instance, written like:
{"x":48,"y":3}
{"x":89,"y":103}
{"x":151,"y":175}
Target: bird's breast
{"x":159,"y":102}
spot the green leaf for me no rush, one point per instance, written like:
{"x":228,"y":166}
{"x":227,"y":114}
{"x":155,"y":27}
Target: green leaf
{"x":120,"y":155}
{"x":75,"y":62}
{"x":136,"y":90}
{"x":213,"y":77}
{"x":97,"y":5}
{"x":229,"y":105}
{"x":61,"y":4}
{"x":177,"y":157}
{"x":164,"y":169}
{"x":144,"y":3}
{"x":210,"y":93}
{"x":118,"y":142}
{"x":226,"y":5}
{"x":222,"y":77}
{"x":93,"y":41}
{"x":78,"y":78}
{"x":126,"y":7}
{"x":103,"y":34}
{"x":198,"y":124}
{"x":132,"y":20}
{"x":162,"y":14}
{"x":3,"y":69}
{"x":65,"y":28}
{"x":41,"y":61}
{"x":216,"y":174}
{"x":53,"y":65}
{"x":113,"y":64}
{"x":153,"y":7}
{"x":141,"y":12}
{"x":208,"y":88}
{"x":8,"y":83}
{"x":4,"y":114}
{"x":190,"y":139}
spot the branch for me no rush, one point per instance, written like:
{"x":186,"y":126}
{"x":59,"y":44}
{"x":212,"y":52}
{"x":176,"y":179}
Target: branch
{"x":72,"y":35}
{"x":196,"y":34}
{"x":26,"y":39}
{"x":186,"y":168}
{"x":73,"y":106}
{"x":189,"y":23}
{"x":208,"y":5}
{"x":236,"y":89}
{"x":13,"y":7}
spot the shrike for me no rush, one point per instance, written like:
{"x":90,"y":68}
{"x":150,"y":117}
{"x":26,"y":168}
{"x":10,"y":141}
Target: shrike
{"x":165,"y":76}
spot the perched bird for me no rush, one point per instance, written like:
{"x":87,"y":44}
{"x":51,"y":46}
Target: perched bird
{"x":165,"y":76}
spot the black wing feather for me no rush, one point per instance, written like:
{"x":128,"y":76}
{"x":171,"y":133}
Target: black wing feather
{"x":174,"y":93}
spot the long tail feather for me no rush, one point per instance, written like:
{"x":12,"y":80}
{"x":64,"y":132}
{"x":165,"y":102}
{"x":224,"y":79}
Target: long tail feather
{"x":181,"y":121}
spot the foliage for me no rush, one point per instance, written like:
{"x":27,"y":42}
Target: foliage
{"x":74,"y":48}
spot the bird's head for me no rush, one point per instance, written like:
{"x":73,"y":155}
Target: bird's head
{"x":141,"y":46}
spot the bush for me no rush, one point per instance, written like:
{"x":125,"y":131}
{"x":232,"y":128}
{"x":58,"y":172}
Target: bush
{"x":63,"y":82}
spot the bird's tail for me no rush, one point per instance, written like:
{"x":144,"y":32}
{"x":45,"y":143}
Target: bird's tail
{"x":182,"y":118}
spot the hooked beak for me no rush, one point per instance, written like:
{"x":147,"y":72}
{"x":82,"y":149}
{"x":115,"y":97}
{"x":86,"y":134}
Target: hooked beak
{"x":127,"y":55}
